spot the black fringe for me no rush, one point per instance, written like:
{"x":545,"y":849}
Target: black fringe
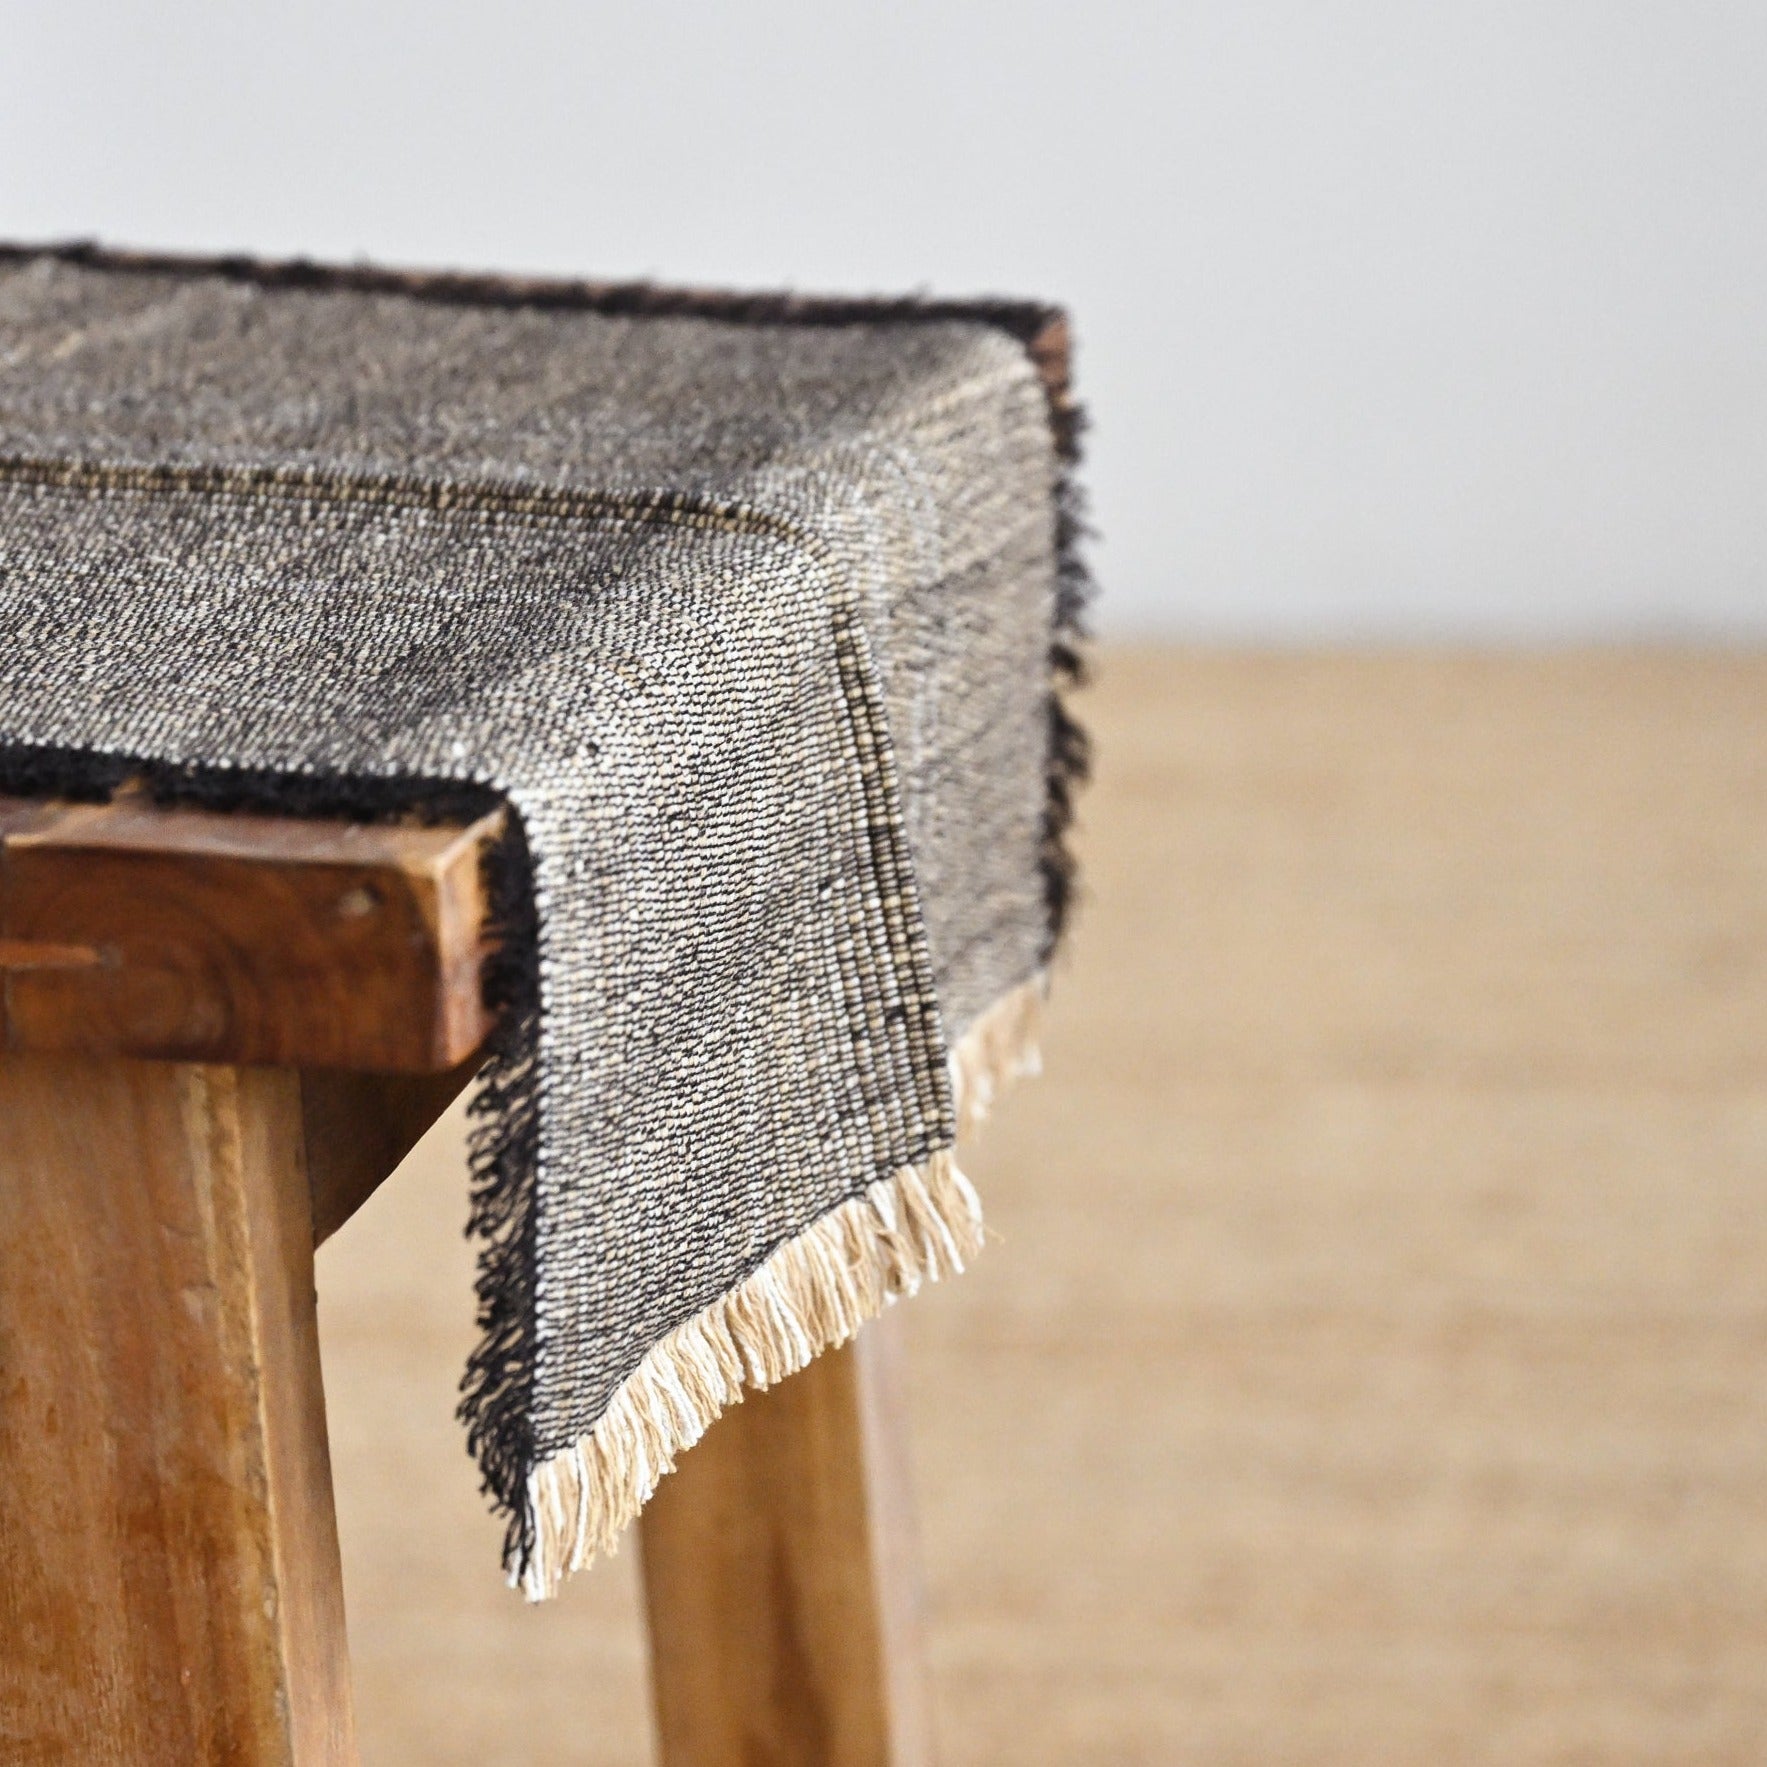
{"x":427,"y":802}
{"x":1070,"y":749}
{"x":1025,"y":320}
{"x":496,"y":1403}
{"x":81,"y":776}
{"x":42,"y":770}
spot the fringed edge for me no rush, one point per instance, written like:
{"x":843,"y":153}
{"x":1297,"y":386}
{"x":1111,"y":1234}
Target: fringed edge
{"x":1069,"y":757}
{"x":81,"y":776}
{"x":998,"y":1048}
{"x":496,"y":1391}
{"x":813,"y":1293}
{"x":1041,"y":328}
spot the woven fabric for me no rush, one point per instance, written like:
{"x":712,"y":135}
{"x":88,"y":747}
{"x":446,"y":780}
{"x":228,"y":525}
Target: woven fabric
{"x":745,"y":612}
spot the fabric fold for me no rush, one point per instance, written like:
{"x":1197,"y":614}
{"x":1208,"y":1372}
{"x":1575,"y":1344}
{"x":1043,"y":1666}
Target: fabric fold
{"x":758,"y":621}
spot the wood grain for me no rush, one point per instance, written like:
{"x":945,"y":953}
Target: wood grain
{"x":359,"y":1127}
{"x":169,"y":1579}
{"x":782,"y":1580}
{"x":131,"y":929}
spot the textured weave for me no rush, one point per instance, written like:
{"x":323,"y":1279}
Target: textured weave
{"x":748,"y":617}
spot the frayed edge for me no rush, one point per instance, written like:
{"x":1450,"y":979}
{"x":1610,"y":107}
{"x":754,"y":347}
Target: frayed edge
{"x":82,"y":776}
{"x":497,"y":1389}
{"x":813,"y":1293}
{"x":998,"y":1048}
{"x":1042,"y":329}
{"x":1069,"y":757}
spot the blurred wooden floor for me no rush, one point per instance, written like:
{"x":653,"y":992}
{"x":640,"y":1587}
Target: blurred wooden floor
{"x":1372,"y":1365}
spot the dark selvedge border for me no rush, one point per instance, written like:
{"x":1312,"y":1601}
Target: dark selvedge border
{"x":1042,"y":329}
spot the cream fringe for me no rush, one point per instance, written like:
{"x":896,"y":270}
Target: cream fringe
{"x":815,"y":1291}
{"x":1000,"y":1047}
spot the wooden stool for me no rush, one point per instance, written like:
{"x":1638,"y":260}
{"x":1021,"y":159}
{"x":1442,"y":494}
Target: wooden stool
{"x":220,"y":1033}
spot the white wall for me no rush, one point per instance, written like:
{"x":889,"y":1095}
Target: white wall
{"x":1397,"y":320}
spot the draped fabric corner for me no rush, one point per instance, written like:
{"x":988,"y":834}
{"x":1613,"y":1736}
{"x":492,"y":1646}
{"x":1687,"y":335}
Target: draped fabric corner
{"x":758,"y":614}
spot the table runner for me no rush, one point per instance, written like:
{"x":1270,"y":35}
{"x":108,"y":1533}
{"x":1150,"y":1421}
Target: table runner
{"x":756,"y":612}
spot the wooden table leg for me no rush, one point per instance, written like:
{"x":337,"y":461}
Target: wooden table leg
{"x":782,"y":1578}
{"x":169,"y":1579}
